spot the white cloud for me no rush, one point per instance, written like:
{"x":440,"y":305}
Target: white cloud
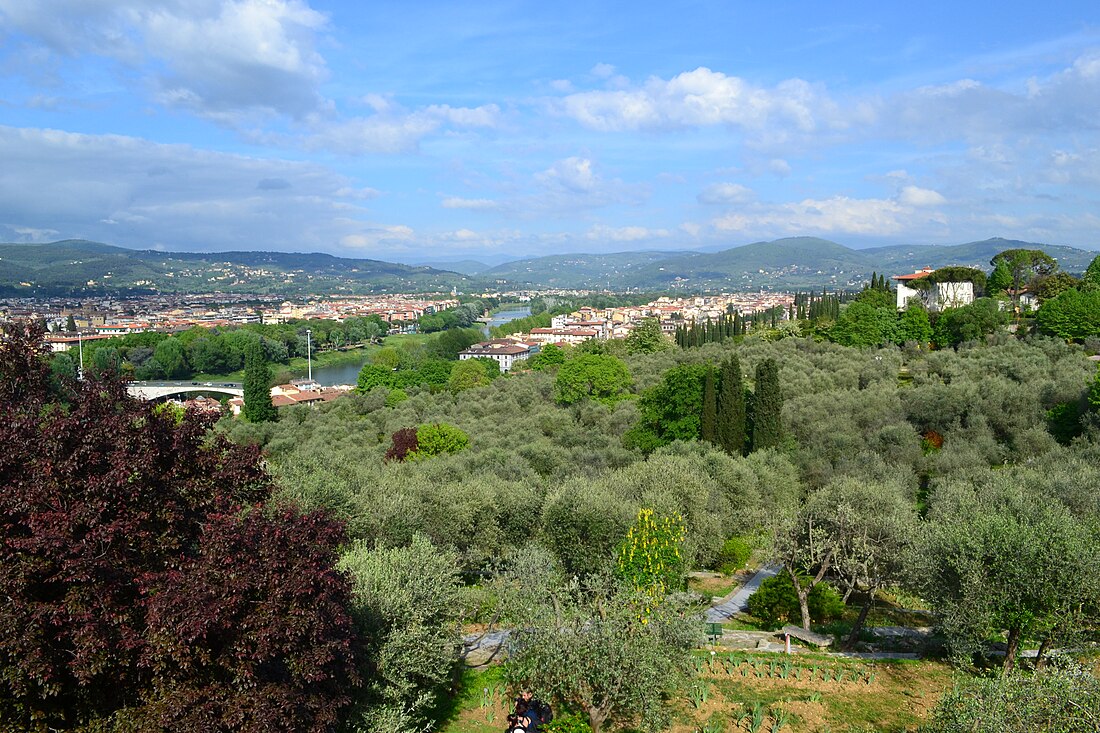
{"x":601,"y":232}
{"x":603,"y":71}
{"x":916,"y":196}
{"x":133,"y":192}
{"x":218,"y":58}
{"x":395,"y":235}
{"x":726,"y":193}
{"x":455,"y":202}
{"x":33,"y":234}
{"x":375,"y":134}
{"x":703,"y":97}
{"x":487,"y":115}
{"x":779,"y":167}
{"x":394,"y":130}
{"x":573,"y":173}
{"x":910,"y":209}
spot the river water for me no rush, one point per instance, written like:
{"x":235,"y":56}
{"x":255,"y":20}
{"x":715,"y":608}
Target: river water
{"x":349,"y":373}
{"x":502,"y":317}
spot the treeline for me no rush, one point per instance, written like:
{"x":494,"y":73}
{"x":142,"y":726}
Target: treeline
{"x":558,"y":304}
{"x":221,"y":350}
{"x":522,"y":325}
{"x":727,"y":326}
{"x":1069,"y":308}
{"x":461,"y":316}
{"x":424,"y":363}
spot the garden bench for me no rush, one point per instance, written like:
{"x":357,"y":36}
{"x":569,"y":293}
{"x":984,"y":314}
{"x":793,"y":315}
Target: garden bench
{"x":801,"y":634}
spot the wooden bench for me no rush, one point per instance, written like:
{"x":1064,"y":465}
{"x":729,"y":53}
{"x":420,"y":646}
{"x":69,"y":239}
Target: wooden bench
{"x":801,"y":634}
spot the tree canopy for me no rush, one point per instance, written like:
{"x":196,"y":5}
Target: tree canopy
{"x":144,"y":580}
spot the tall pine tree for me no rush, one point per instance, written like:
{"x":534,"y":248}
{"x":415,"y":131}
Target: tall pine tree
{"x":731,"y":408}
{"x":257,"y":387}
{"x":767,"y":427}
{"x":709,"y":422}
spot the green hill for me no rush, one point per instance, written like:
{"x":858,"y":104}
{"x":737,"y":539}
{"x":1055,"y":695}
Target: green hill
{"x":973,"y":254}
{"x":81,"y":267}
{"x":791,"y":263}
{"x":577,"y":270}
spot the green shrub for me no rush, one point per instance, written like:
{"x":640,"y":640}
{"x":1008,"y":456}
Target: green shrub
{"x":570,"y":723}
{"x":775,"y":602}
{"x":438,"y":438}
{"x":1057,"y":701}
{"x":734,"y":554}
{"x":395,"y":397}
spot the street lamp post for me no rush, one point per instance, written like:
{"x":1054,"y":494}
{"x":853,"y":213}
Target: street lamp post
{"x":309,"y":352}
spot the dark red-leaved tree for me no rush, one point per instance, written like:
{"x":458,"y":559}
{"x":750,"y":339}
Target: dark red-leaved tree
{"x":404,"y":443}
{"x":110,"y":511}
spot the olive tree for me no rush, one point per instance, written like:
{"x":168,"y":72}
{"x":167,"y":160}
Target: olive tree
{"x":996,"y":558}
{"x":404,"y":603}
{"x":606,"y":650}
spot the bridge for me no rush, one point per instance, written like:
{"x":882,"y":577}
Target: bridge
{"x":159,"y":390}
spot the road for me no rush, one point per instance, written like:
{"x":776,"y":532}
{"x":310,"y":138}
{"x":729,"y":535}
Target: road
{"x":736,"y":603}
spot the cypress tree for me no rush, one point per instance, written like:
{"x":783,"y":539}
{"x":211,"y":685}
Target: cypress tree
{"x":731,"y":408}
{"x":767,"y":428}
{"x":709,"y":421}
{"x":257,"y":387}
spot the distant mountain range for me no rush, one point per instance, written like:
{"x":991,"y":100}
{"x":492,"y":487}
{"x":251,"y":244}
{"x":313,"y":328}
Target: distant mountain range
{"x":78,"y":267}
{"x":796,"y":262}
{"x":74,"y":267}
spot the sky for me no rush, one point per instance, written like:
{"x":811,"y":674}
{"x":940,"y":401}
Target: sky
{"x":430,"y":131}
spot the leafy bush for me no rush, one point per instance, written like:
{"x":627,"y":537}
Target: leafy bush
{"x":1056,"y":701}
{"x":650,"y":556}
{"x":775,"y":602}
{"x":569,"y":723}
{"x":404,"y":442}
{"x":592,"y":376}
{"x":735,"y":552}
{"x":395,"y":397}
{"x":437,"y":438}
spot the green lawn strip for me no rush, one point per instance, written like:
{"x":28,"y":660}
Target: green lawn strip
{"x":479,"y":690}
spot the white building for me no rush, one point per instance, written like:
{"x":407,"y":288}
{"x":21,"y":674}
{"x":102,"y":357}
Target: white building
{"x":952,"y":294}
{"x":503,"y":351}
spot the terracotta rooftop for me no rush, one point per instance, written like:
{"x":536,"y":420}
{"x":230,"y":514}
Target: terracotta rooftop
{"x":916,"y":275}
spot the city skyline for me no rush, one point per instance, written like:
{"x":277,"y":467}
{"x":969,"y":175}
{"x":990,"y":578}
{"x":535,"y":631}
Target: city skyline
{"x":431,"y":131}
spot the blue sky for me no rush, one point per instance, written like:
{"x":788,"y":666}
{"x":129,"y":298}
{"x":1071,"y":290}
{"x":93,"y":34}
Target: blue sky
{"x":418,"y":131}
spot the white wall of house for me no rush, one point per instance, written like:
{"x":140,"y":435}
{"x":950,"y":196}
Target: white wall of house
{"x":944,"y":295}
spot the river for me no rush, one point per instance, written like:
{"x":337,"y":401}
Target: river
{"x":349,"y":373}
{"x":501,"y":317}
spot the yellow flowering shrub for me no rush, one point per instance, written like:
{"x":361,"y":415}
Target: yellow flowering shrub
{"x":651,"y":555}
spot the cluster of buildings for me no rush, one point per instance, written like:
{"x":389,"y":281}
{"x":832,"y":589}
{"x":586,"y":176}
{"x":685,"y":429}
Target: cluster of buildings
{"x":106,"y":317}
{"x":587,"y":323}
{"x":297,"y":392}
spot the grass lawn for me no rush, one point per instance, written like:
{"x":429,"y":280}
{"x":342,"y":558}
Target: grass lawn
{"x":481,"y":704}
{"x":714,"y":586}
